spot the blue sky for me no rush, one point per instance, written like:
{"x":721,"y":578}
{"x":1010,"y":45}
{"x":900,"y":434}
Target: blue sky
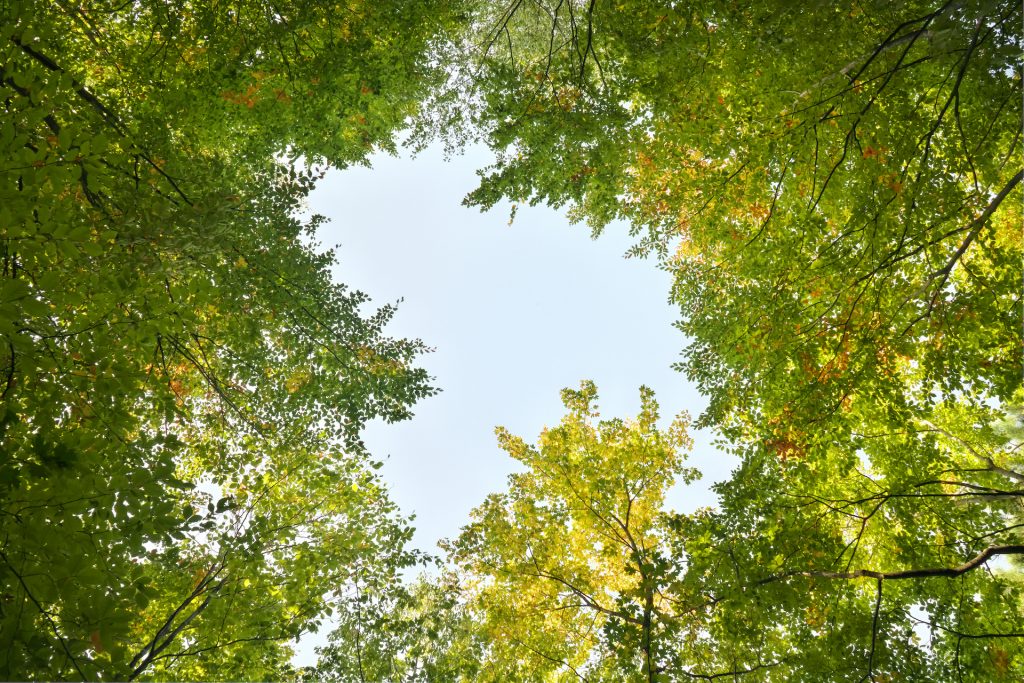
{"x":514,"y":313}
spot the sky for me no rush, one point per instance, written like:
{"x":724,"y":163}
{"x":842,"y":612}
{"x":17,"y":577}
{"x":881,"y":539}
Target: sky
{"x":513,"y":313}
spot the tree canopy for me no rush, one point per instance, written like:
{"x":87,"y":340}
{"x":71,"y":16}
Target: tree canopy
{"x":184,"y":487}
{"x":579,"y":572}
{"x":570,"y":567}
{"x":835,"y":188}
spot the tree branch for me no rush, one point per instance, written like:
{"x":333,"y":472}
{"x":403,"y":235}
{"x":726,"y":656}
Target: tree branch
{"x":148,"y":653}
{"x":723,"y":674}
{"x":104,"y":112}
{"x":975,"y":228}
{"x":46,"y":613}
{"x":869,"y":676}
{"x":948,"y":572}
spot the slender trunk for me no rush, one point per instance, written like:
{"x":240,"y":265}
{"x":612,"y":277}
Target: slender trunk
{"x":646,"y":632}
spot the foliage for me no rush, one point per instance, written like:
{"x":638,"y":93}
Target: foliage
{"x":836,"y":189}
{"x":834,"y":186}
{"x":423,"y":632}
{"x":868,"y":572}
{"x":836,"y":216}
{"x":577,"y":572}
{"x":568,"y":570}
{"x":182,"y":384}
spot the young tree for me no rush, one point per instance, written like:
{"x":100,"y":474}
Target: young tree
{"x":567,"y":571}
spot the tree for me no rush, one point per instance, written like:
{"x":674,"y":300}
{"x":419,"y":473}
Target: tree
{"x":870,"y":576}
{"x":577,"y":573}
{"x":836,"y":190}
{"x":567,"y":571}
{"x":833,"y":236}
{"x":423,"y":632}
{"x":182,"y":385}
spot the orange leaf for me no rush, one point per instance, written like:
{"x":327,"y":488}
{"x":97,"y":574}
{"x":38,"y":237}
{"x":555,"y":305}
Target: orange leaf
{"x":97,"y":644}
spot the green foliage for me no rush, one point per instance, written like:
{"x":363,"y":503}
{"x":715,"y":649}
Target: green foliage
{"x":838,"y":212}
{"x":577,"y":571}
{"x":567,"y":571}
{"x":422,"y":632}
{"x":836,"y":189}
{"x":834,"y":186}
{"x":182,"y":386}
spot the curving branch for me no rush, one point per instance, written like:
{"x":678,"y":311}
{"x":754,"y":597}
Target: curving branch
{"x":168,"y":631}
{"x":550,"y":658}
{"x":975,"y":227}
{"x":47,"y":614}
{"x":729,"y":674}
{"x":948,"y":572}
{"x":587,"y":599}
{"x":942,"y":274}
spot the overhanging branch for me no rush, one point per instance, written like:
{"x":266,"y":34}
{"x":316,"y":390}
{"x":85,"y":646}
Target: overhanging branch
{"x":948,"y":572}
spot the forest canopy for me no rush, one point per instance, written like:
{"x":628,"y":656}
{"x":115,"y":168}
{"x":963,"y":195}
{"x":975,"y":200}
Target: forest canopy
{"x":834,"y":188}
